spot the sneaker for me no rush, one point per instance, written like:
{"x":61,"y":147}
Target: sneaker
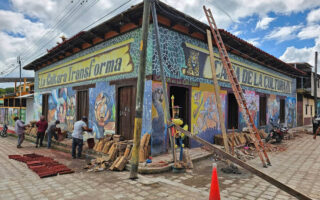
{"x":36,"y":146}
{"x":19,"y":146}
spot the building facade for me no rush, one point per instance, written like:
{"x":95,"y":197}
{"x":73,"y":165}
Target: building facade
{"x":97,"y":78}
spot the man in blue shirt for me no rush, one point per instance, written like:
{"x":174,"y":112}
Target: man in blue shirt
{"x":77,"y":135}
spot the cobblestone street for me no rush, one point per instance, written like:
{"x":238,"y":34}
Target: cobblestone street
{"x":298,"y":166}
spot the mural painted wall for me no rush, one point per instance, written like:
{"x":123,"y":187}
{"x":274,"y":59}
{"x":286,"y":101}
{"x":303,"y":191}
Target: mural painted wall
{"x":114,"y":59}
{"x":159,"y":133}
{"x":147,"y":109}
{"x":62,"y":106}
{"x":187,"y":58}
{"x":291,"y":112}
{"x":102,"y":109}
{"x":253,"y":105}
{"x":273,"y":107}
{"x":37,"y":106}
{"x":204,"y":113}
{"x":2,"y":115}
{"x":13,"y":112}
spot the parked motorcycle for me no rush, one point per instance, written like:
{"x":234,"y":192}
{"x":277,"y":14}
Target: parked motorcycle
{"x":3,"y":132}
{"x":277,"y":132}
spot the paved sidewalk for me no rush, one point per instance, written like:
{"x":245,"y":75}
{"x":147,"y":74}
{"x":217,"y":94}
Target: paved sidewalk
{"x":18,"y":182}
{"x":298,"y":166}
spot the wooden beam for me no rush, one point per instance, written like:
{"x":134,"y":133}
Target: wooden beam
{"x":127,"y":27}
{"x":110,"y":34}
{"x":181,"y":28}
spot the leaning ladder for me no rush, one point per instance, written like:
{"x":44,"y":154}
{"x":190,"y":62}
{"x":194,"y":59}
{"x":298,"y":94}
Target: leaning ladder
{"x":237,"y":88}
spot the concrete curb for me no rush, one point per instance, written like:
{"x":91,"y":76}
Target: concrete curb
{"x":167,"y":168}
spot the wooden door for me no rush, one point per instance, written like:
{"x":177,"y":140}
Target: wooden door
{"x":82,"y":104}
{"x":45,"y":105}
{"x":126,"y":111}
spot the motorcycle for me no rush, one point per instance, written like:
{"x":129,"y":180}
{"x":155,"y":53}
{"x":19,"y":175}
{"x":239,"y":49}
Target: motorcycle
{"x":277,"y":132}
{"x":3,"y":132}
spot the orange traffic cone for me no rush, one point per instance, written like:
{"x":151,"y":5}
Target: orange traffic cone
{"x":214,"y":189}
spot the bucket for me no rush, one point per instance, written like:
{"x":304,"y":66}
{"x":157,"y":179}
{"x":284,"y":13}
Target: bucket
{"x":90,"y":142}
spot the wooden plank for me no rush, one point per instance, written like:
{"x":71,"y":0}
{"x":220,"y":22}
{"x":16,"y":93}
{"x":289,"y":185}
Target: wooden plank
{"x":246,"y":166}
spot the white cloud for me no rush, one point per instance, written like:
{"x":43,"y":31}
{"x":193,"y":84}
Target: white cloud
{"x":306,"y":54}
{"x":264,"y":23}
{"x":314,"y":16}
{"x":284,"y":33}
{"x":312,"y":31}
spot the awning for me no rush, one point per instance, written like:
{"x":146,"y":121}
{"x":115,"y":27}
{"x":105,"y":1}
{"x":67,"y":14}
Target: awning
{"x":27,"y":96}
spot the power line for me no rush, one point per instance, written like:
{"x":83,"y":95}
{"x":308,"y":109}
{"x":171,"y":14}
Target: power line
{"x":112,"y":11}
{"x":55,"y":27}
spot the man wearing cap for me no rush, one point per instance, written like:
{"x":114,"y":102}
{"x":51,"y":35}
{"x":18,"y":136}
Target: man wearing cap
{"x":51,"y":131}
{"x":77,"y":135}
{"x":19,"y":129}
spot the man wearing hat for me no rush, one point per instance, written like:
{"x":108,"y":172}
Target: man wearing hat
{"x":77,"y":136}
{"x":51,"y":131}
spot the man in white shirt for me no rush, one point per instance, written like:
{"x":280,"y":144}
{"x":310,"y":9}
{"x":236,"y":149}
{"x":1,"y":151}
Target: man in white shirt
{"x":77,"y":135}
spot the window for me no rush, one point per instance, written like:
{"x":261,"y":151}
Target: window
{"x":263,"y":110}
{"x":282,"y":110}
{"x":306,"y":109}
{"x":311,"y":110}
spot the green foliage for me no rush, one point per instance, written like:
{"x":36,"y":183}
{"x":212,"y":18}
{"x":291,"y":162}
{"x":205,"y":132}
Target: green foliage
{"x":6,"y":90}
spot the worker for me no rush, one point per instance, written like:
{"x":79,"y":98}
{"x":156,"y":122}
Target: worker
{"x":77,"y":136}
{"x":51,"y":131}
{"x":42,"y":125}
{"x":19,"y":129}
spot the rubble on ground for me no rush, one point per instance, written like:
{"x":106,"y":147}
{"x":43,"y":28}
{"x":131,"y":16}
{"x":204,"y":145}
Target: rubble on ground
{"x":116,"y":153}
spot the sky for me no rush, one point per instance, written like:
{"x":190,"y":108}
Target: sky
{"x":288,"y":30}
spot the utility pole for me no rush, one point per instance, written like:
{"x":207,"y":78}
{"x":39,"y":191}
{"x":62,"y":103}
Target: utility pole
{"x":140,"y":91}
{"x":315,"y":88}
{"x":19,"y":62}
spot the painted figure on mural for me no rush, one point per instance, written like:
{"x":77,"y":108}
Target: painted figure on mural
{"x":207,"y":118}
{"x":102,"y":109}
{"x":291,"y":112}
{"x":70,"y":112}
{"x":103,"y":113}
{"x":158,"y":125}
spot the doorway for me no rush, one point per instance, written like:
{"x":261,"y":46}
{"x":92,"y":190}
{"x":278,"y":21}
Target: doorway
{"x":282,"y":110}
{"x":233,"y":112}
{"x":126,"y":111}
{"x":182,"y":100}
{"x":82,"y":104}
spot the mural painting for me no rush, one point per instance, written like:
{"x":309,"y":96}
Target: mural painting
{"x":62,"y":107}
{"x":37,"y":106}
{"x":204,"y":116}
{"x":147,"y":107}
{"x":13,"y":112}
{"x":290,"y":112}
{"x":158,"y":135}
{"x":253,"y":106}
{"x":102,"y":109}
{"x":2,"y":115}
{"x":273,"y":108}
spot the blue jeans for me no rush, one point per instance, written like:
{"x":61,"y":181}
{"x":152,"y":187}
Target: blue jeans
{"x":77,"y":142}
{"x":49,"y":134}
